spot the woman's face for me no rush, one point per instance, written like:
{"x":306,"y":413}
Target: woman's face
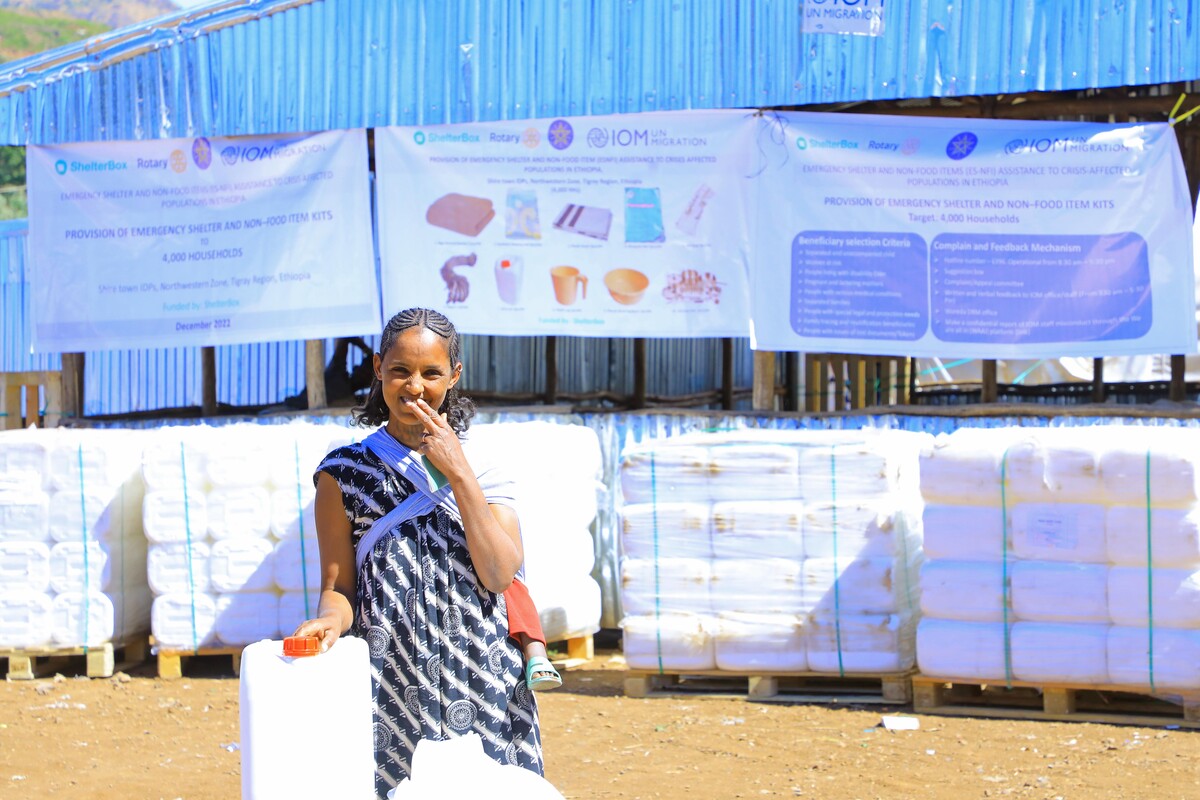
{"x":416,"y":367}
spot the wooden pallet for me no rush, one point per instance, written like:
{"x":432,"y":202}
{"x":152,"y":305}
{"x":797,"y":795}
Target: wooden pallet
{"x":25,"y":664}
{"x":1116,"y":705}
{"x":790,"y":687}
{"x":170,"y":661}
{"x":580,"y":651}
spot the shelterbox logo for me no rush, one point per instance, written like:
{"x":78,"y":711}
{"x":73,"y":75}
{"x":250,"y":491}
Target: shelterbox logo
{"x":63,"y":167}
{"x":60,"y":167}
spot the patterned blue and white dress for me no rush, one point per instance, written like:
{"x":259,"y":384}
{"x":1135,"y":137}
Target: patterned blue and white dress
{"x":442,"y":661}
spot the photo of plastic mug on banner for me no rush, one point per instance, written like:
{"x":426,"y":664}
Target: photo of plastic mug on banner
{"x":626,"y":225}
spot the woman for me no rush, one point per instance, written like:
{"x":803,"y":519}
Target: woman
{"x":417,"y":545}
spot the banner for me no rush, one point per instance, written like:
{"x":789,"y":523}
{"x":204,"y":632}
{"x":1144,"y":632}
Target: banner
{"x":589,"y":226}
{"x":970,"y":238}
{"x":200,"y":242}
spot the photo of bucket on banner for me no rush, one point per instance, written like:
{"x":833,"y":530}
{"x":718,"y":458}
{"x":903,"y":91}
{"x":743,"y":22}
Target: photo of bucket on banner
{"x":522,"y":215}
{"x":586,"y":220}
{"x":569,"y":282}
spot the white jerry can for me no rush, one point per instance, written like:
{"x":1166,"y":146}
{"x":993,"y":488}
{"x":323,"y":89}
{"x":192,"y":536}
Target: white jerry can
{"x":296,"y":707}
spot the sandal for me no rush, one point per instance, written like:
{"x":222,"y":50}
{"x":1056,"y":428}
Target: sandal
{"x":547,"y":676}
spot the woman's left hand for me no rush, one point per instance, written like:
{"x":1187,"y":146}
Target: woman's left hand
{"x":439,"y":442}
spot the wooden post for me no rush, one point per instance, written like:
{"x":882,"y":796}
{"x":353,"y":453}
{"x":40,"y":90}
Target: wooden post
{"x":763,"y":394}
{"x":314,"y":373}
{"x":884,"y":393}
{"x":551,"y":370}
{"x":1098,"y":393}
{"x":639,"y":374}
{"x":838,"y":363}
{"x":208,"y":381}
{"x":858,"y":380}
{"x":815,"y":379}
{"x":1178,"y":391}
{"x":990,"y":392}
{"x":727,"y":374}
{"x":72,"y":385}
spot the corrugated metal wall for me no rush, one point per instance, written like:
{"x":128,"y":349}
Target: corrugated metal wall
{"x":264,"y":66}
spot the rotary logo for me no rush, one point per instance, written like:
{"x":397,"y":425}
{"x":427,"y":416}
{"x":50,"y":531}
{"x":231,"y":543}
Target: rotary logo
{"x":202,"y":153}
{"x":561,"y":134}
{"x":597,"y":137}
{"x":531,"y":138}
{"x":910,"y":146}
{"x":178,"y":161}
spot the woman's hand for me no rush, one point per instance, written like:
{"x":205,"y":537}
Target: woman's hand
{"x":327,"y":629}
{"x":439,"y":442}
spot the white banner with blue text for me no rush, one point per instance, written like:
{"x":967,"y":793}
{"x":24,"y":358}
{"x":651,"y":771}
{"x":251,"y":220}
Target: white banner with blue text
{"x":970,"y":238}
{"x":619,"y":226}
{"x":200,"y":241}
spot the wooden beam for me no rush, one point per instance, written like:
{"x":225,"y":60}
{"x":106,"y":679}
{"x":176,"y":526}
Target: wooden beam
{"x":763,"y":394}
{"x":72,"y":385}
{"x":208,"y":381}
{"x":314,"y":373}
{"x":816,"y":377}
{"x":991,"y":391}
{"x":1178,"y":390}
{"x":639,"y":374}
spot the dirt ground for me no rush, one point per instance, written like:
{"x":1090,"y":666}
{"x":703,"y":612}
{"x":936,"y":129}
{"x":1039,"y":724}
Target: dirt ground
{"x":135,"y":736}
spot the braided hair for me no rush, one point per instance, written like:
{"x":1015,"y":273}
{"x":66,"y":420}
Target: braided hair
{"x":458,"y":407}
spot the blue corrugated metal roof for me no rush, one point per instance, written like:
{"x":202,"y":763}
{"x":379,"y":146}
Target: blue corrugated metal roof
{"x":264,"y":66}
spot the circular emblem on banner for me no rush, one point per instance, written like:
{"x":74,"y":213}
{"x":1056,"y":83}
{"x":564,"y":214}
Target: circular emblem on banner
{"x":229,"y":155}
{"x":801,"y":143}
{"x":202,"y":153}
{"x":419,"y":137}
{"x":962,"y":145}
{"x":531,"y":138}
{"x":178,"y":161}
{"x":597,"y":137}
{"x":60,"y":167}
{"x":910,"y":146}
{"x":561,"y":134}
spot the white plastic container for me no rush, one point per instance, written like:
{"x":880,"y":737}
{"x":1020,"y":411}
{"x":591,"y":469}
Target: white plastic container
{"x":287,"y":704}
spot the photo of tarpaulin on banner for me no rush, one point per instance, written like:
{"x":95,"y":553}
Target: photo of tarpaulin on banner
{"x":200,"y":241}
{"x":626,"y":225}
{"x":972,"y":238}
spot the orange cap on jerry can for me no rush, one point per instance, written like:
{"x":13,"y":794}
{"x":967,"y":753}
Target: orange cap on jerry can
{"x":300,"y":646}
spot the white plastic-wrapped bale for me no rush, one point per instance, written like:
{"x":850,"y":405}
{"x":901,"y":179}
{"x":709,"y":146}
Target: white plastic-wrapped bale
{"x":821,"y":527}
{"x":556,"y":469}
{"x":1096,"y":578}
{"x":72,"y":551}
{"x":670,"y":641}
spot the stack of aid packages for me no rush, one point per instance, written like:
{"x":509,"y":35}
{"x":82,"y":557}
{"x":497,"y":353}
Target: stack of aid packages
{"x":771,"y":551}
{"x":72,"y":554}
{"x":233,"y":555}
{"x":1067,"y":555}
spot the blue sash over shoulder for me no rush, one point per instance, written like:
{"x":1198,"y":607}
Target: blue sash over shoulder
{"x":406,"y":462}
